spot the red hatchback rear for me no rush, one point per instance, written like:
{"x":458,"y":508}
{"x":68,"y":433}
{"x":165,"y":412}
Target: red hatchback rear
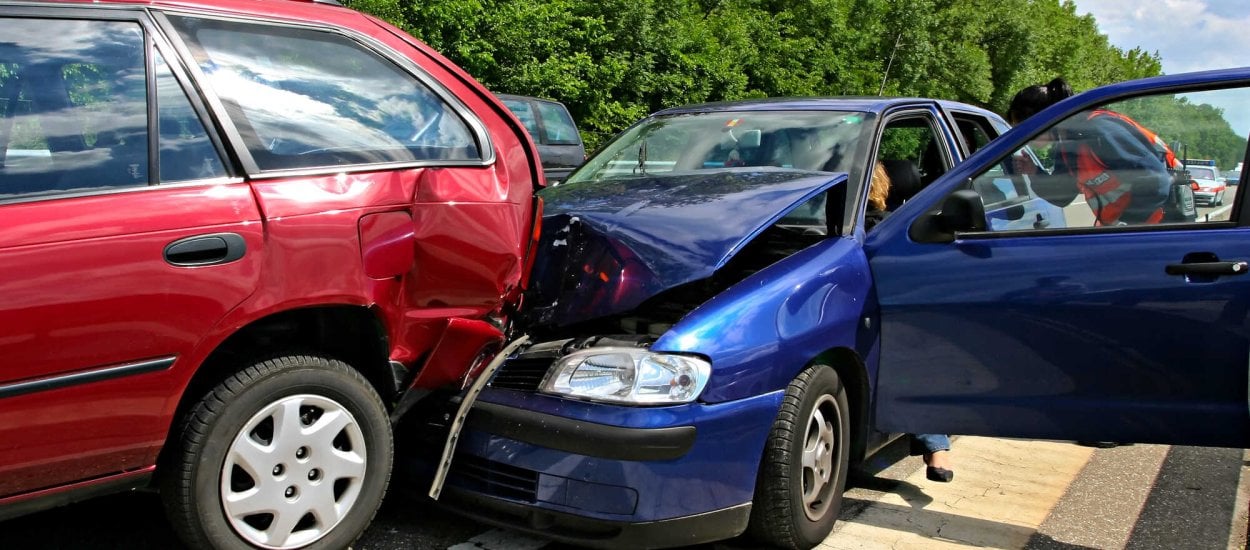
{"x":233,"y":238}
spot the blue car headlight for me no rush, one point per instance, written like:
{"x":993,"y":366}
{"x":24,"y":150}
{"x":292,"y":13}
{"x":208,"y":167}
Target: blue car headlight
{"x":631,"y":376}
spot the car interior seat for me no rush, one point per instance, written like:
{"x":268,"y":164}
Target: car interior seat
{"x":904,"y":182}
{"x":931,"y":165}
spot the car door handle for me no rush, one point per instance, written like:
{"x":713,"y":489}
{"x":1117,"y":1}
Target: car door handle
{"x":1208,"y":268}
{"x":202,"y":250}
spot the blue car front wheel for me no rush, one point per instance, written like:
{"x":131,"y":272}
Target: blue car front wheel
{"x":799,"y":491}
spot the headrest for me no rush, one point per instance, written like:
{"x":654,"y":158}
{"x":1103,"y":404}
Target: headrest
{"x":904,"y":182}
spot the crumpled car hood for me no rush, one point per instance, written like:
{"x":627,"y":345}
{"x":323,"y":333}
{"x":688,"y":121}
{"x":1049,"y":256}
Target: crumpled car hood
{"x":608,"y":246}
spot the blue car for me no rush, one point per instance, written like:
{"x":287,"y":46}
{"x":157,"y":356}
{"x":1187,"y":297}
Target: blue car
{"x":718,"y":334}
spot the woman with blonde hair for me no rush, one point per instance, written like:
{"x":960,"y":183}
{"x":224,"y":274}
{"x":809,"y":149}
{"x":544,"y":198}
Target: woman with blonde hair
{"x":878,"y":191}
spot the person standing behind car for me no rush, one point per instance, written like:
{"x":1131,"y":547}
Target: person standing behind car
{"x":1123,"y":169}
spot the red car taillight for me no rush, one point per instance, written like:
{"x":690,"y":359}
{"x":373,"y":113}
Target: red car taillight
{"x":1193,"y":185}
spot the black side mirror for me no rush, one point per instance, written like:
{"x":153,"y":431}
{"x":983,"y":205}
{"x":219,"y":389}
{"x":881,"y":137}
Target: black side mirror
{"x":962,"y":211}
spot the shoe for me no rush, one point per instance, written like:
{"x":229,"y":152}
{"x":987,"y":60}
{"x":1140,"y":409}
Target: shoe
{"x":939,"y":474}
{"x":1098,"y":444}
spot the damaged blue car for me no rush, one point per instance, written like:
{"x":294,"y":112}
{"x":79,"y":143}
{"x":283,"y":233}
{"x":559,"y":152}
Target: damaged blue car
{"x":718,"y":335}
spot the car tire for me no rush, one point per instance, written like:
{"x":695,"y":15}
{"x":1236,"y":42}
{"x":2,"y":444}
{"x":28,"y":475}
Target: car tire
{"x":1219,"y":201}
{"x":238,"y":479}
{"x":798,"y":494}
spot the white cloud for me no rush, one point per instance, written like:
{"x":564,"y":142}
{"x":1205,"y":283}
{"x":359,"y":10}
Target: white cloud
{"x":1189,"y":35}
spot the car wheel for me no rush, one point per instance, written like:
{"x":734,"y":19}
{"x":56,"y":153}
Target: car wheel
{"x":1220,"y":200}
{"x":290,"y":452}
{"x":799,"y":491}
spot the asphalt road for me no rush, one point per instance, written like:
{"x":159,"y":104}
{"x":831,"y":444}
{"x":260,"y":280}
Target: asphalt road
{"x":1135,"y":497}
{"x":1078,"y":214}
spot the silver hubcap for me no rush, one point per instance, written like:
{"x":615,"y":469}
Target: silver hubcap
{"x":293,"y":472}
{"x":819,"y":444}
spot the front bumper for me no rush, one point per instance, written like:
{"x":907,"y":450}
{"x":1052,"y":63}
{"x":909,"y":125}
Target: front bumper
{"x":611,"y":476}
{"x":594,"y":533}
{"x":1205,"y":197}
{"x":583,"y":438}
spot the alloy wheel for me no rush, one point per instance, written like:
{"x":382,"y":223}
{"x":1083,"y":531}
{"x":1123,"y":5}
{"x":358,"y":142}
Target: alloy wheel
{"x":819,"y":450}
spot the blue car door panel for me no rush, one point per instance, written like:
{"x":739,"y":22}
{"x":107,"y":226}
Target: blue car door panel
{"x":1061,"y":342}
{"x":1101,"y":330}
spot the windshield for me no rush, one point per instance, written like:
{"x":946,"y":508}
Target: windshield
{"x":1201,"y":173}
{"x":804,"y":140}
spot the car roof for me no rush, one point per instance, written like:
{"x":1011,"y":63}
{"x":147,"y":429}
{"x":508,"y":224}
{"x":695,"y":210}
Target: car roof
{"x":313,"y":11}
{"x":866,"y":104}
{"x":527,"y":98}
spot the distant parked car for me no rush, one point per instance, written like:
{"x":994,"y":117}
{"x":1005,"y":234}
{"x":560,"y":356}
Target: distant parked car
{"x":551,"y":127}
{"x":712,"y":352}
{"x":1232,"y":177}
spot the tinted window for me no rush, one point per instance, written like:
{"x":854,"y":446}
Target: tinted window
{"x":74,"y":106}
{"x":558,"y":125}
{"x":525,"y":113}
{"x":307,"y":98}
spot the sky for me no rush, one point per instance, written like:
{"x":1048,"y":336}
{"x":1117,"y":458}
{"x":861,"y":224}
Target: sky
{"x":1188,"y":35}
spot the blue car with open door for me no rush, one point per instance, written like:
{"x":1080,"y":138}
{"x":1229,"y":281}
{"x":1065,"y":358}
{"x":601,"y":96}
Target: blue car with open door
{"x":717,"y":335}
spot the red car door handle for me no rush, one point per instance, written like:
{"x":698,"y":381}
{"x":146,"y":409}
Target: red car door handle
{"x":1208,"y":268}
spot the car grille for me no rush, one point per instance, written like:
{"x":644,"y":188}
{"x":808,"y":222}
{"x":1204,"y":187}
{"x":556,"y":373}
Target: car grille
{"x":522,"y":373}
{"x":494,"y":478}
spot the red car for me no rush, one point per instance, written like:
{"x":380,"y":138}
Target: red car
{"x":237,"y":238}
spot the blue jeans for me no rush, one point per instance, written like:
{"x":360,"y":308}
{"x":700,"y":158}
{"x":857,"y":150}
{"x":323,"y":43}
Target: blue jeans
{"x":929,"y":443}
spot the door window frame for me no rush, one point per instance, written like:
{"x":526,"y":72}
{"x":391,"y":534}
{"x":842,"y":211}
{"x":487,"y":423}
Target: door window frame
{"x":940,"y":128}
{"x":384,"y":52}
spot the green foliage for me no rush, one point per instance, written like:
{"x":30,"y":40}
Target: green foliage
{"x":1195,"y":130}
{"x":614,"y":61}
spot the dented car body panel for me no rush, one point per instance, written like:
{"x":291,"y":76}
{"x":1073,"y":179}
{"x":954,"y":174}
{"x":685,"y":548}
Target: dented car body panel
{"x":631,"y":243}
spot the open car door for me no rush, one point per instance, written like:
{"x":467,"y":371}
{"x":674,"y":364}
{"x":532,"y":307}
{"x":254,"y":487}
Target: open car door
{"x":1111,"y":330}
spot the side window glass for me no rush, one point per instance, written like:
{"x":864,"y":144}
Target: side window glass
{"x":75,"y":111}
{"x":1145,"y":161}
{"x":975,"y":131}
{"x":186,"y":152}
{"x":911,"y":157}
{"x":525,"y":114}
{"x":558,"y":124}
{"x":306,"y":98}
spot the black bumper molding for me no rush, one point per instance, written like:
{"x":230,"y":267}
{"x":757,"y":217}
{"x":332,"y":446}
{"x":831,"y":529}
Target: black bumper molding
{"x":597,"y":533}
{"x":583,"y":438}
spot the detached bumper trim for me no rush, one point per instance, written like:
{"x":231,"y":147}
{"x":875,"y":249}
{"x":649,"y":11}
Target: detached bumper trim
{"x":583,"y":438}
{"x":597,"y":533}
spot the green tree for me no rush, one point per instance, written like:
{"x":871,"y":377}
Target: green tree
{"x":614,"y":61}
